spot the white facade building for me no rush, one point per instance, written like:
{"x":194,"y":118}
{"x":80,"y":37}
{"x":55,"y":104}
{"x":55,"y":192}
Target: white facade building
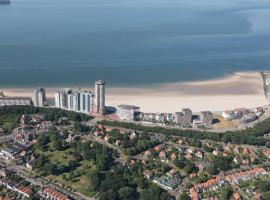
{"x":86,"y":102}
{"x":39,"y":97}
{"x":126,"y":112}
{"x":57,"y":99}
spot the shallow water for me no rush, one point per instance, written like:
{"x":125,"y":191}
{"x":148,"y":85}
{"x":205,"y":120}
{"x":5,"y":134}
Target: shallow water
{"x":74,"y":42}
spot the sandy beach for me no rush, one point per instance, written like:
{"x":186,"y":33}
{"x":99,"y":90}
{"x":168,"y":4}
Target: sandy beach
{"x":242,"y":89}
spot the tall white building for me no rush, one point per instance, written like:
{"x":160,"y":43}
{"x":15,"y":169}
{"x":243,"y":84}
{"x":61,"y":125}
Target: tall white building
{"x":79,"y":101}
{"x":61,"y":98}
{"x":99,"y":107}
{"x":76,"y":101}
{"x":86,"y":102}
{"x":39,"y":97}
{"x":70,"y":101}
{"x":57,"y":99}
{"x":266,"y":85}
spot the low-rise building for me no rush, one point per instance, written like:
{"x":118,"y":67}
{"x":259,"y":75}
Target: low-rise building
{"x":127,"y":112}
{"x":246,"y":175}
{"x":12,"y":150}
{"x":15,"y":101}
{"x":52,"y":194}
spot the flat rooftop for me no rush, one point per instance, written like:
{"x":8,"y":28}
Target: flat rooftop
{"x":128,"y":107}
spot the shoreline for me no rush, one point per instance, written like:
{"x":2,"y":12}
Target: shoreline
{"x":241,"y":89}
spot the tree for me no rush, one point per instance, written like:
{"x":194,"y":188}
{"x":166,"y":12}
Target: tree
{"x":184,"y":196}
{"x":127,"y":193}
{"x":212,"y":170}
{"x":42,"y":142}
{"x":73,"y":164}
{"x":109,"y":195}
{"x":94,"y":179}
{"x":57,"y":144}
{"x":41,"y":160}
{"x":264,"y":186}
{"x":191,"y":168}
{"x":141,"y":182}
{"x":51,"y":168}
{"x":266,"y":196}
{"x":225,"y":193}
{"x":222,"y":163}
{"x":179,"y":163}
{"x":80,"y":128}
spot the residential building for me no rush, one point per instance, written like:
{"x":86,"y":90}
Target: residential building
{"x":15,"y":101}
{"x":39,"y":97}
{"x":50,"y":193}
{"x":76,"y":101}
{"x":86,"y":101}
{"x":184,"y":117}
{"x":266,"y":84}
{"x":61,"y":98}
{"x":99,"y":106}
{"x":57,"y":99}
{"x":127,"y":112}
{"x":206,"y":118}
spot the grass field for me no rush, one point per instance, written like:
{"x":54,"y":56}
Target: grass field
{"x":77,"y":179}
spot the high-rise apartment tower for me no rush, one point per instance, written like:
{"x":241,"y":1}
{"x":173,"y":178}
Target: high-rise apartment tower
{"x":99,"y":107}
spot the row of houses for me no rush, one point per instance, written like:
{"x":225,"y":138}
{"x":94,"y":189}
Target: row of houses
{"x":243,"y":115}
{"x":24,"y":191}
{"x":50,"y":193}
{"x":245,"y":176}
{"x":217,"y":182}
{"x":12,"y":151}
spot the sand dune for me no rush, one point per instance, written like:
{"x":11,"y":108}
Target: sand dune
{"x":243,"y":89}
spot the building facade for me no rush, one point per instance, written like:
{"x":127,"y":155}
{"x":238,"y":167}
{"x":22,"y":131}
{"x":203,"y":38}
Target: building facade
{"x":39,"y":97}
{"x":127,"y":112}
{"x":206,"y":118}
{"x":57,"y":99}
{"x":79,"y":101}
{"x":266,"y":85}
{"x":86,"y":102}
{"x":99,"y":106}
{"x":15,"y":101}
{"x":184,"y":117}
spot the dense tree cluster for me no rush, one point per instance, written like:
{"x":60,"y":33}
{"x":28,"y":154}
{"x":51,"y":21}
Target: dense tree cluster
{"x":226,"y":193}
{"x":78,"y":127}
{"x":127,"y":183}
{"x":51,"y":114}
{"x":264,"y":186}
{"x":251,"y":136}
{"x":184,"y":196}
{"x":101,"y":155}
{"x":186,"y":164}
{"x":222,"y":163}
{"x":132,"y":146}
{"x":9,"y":121}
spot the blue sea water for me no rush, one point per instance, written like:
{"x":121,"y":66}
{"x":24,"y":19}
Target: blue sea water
{"x":130,"y":42}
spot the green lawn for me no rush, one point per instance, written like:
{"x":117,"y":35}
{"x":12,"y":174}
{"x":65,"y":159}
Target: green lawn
{"x":80,"y":182}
